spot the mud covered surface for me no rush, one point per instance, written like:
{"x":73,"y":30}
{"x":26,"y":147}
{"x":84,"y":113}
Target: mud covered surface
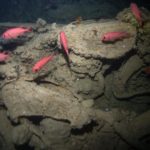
{"x":99,"y":96}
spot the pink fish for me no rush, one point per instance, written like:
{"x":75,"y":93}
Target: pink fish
{"x":136,"y":12}
{"x":114,"y":36}
{"x":39,"y":65}
{"x":63,"y":42}
{"x":15,"y":32}
{"x":3,"y":56}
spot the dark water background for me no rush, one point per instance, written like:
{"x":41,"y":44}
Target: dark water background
{"x":62,"y":11}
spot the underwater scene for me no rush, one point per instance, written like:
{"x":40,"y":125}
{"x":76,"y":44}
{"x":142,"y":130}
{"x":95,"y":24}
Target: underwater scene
{"x":75,"y":75}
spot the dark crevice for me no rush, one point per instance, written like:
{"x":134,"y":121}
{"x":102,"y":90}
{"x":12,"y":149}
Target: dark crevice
{"x":115,"y":64}
{"x":85,"y":129}
{"x":35,"y":119}
{"x":24,"y":147}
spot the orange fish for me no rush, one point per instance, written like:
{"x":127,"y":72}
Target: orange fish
{"x":64,"y":43}
{"x":114,"y":36}
{"x":39,"y":65}
{"x":147,"y":70}
{"x":15,"y":32}
{"x":136,"y":12}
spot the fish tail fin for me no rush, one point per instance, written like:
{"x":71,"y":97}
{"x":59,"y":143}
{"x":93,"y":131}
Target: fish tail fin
{"x":30,"y":29}
{"x":140,"y":21}
{"x":129,"y":35}
{"x":126,"y":34}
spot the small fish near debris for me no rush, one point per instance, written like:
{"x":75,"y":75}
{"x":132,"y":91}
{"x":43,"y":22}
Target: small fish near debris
{"x":41,"y":63}
{"x":78,"y":20}
{"x":64,"y":43}
{"x":13,"y":33}
{"x":114,"y":36}
{"x":137,"y":13}
{"x":3,"y":56}
{"x":147,"y":70}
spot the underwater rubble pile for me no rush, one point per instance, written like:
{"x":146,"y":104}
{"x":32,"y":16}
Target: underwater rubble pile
{"x":99,"y":95}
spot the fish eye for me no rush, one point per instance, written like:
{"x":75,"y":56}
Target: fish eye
{"x":103,"y":38}
{"x":36,"y":70}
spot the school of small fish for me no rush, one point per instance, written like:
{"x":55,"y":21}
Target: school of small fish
{"x":113,"y":36}
{"x":15,"y":32}
{"x":42,"y":62}
{"x":137,"y":13}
